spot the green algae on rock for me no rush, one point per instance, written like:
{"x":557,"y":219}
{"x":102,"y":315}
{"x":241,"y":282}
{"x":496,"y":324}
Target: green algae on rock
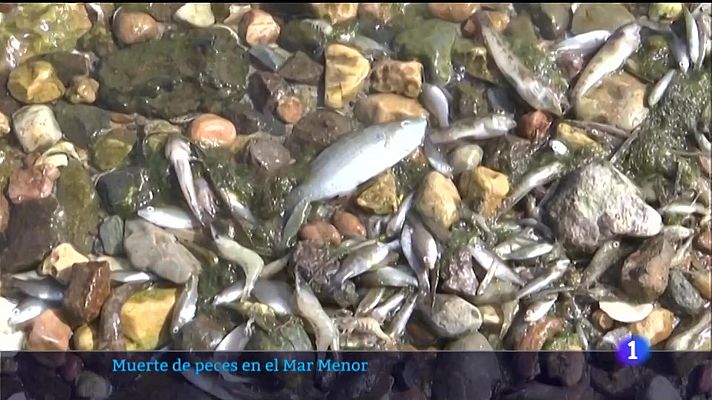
{"x":430,"y":43}
{"x":176,"y":75}
{"x":652,"y":59}
{"x":111,"y":150}
{"x":76,"y":195}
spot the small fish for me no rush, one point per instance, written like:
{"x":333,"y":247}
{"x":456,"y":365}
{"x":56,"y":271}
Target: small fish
{"x":492,"y":126}
{"x":133,"y":277}
{"x":553,"y":273}
{"x":684,"y":208}
{"x":26,"y":311}
{"x":276,"y":294}
{"x":585,"y":43}
{"x":168,"y":217}
{"x":611,"y":57}
{"x":320,"y":25}
{"x":388,"y":307}
{"x":370,"y":301}
{"x":395,"y":224}
{"x":111,"y":337}
{"x":399,"y":321}
{"x":178,"y":152}
{"x":529,"y":252}
{"x":682,"y":341}
{"x":238,"y":210}
{"x":435,"y":101}
{"x":703,"y":142}
{"x":250,"y":262}
{"x":677,"y":232}
{"x":693,"y":37}
{"x":420,"y":270}
{"x":206,"y":197}
{"x":537,"y":177}
{"x":487,"y":259}
{"x":538,"y":309}
{"x":657,"y":92}
{"x":424,"y":245}
{"x":185,"y":306}
{"x":604,"y":258}
{"x":679,"y":51}
{"x":43,"y":289}
{"x":357,"y":157}
{"x":309,"y":307}
{"x":275,"y":267}
{"x":236,"y":340}
{"x":437,"y":159}
{"x":388,"y":277}
{"x":229,"y":294}
{"x":360,"y":261}
{"x":294,"y":222}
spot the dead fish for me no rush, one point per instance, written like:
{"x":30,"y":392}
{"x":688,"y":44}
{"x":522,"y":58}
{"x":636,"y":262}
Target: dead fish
{"x":206,"y":197}
{"x":622,"y":311}
{"x":26,"y":311}
{"x":679,"y":51}
{"x":360,"y":261}
{"x":437,"y":159}
{"x":250,"y":262}
{"x":236,"y":340}
{"x":682,"y":341}
{"x":275,"y":267}
{"x":399,"y":321}
{"x":111,"y":338}
{"x":168,"y":217}
{"x":605,"y":257}
{"x":420,"y":270}
{"x":178,"y":152}
{"x":693,"y":37}
{"x":395,"y":224}
{"x":529,"y":252}
{"x":539,"y":308}
{"x":537,"y":177}
{"x":683,"y":207}
{"x":311,"y":310}
{"x":435,"y":101}
{"x":238,"y":210}
{"x":229,"y":294}
{"x":487,"y":259}
{"x":611,"y":57}
{"x":526,"y":84}
{"x":424,"y":245}
{"x":552,"y":274}
{"x":43,"y":289}
{"x":370,"y":301}
{"x":388,"y":277}
{"x":677,"y":232}
{"x":585,"y":43}
{"x":357,"y":157}
{"x":276,"y":294}
{"x":185,"y":306}
{"x":492,"y":126}
{"x":295,"y":220}
{"x":388,"y":307}
{"x":657,"y":92}
{"x":133,"y":277}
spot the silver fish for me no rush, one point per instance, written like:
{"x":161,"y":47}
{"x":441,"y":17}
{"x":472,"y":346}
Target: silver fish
{"x":682,"y":341}
{"x":238,"y":210}
{"x":44,"y":289}
{"x":703,"y":142}
{"x":657,"y":92}
{"x":133,"y":276}
{"x":370,"y":301}
{"x":236,"y":340}
{"x":385,"y":309}
{"x":529,"y":252}
{"x":538,"y":309}
{"x":294,"y":221}
{"x":611,"y":57}
{"x":267,"y":57}
{"x":677,"y":232}
{"x":309,"y":307}
{"x":553,"y":273}
{"x":275,"y":267}
{"x":585,"y":43}
{"x":178,"y":152}
{"x":399,"y":321}
{"x":357,"y":157}
{"x":206,"y":197}
{"x":186,"y":305}
{"x":436,"y":158}
{"x":684,"y":208}
{"x":436,"y":103}
{"x":395,"y":224}
{"x":229,"y":294}
{"x":679,"y":51}
{"x":250,"y":262}
{"x":360,"y":261}
{"x":26,"y":311}
{"x":389,"y":277}
{"x":605,"y":257}
{"x":420,"y":270}
{"x":489,"y":127}
{"x":168,"y":217}
{"x":276,"y":294}
{"x":424,"y":245}
{"x":487,"y":259}
{"x":527,"y":85}
{"x":693,"y":37}
{"x":538,"y":177}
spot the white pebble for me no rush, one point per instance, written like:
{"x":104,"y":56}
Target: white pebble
{"x":36,"y":128}
{"x":199,"y":15}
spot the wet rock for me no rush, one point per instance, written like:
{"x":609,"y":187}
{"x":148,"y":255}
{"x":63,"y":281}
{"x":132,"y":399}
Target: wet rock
{"x":32,"y":182}
{"x":307,"y":95}
{"x":210,"y":130}
{"x":387,"y":107}
{"x":431,"y":43}
{"x":318,"y":266}
{"x":146,"y":316}
{"x":488,"y":186}
{"x":574,"y":137}
{"x":346,"y":70}
{"x":471,"y":27}
{"x":175,"y":75}
{"x":36,"y":128}
{"x":320,"y":232}
{"x":11,"y":337}
{"x":552,"y":19}
{"x":126,"y":190}
{"x":199,"y":15}
{"x":399,"y":77}
{"x":457,"y":275}
{"x":453,"y":12}
{"x":571,"y":64}
{"x":704,"y":241}
{"x":112,"y":150}
{"x":4,"y":213}
{"x":290,"y":109}
{"x":303,"y":35}
{"x":476,"y":62}
{"x":702,"y":281}
{"x":131,"y":27}
{"x":35,"y":82}
{"x":90,"y":385}
{"x":472,"y":376}
{"x":258,"y":27}
{"x":378,"y":12}
{"x":89,"y":287}
{"x":594,"y":16}
{"x":82,"y":90}
{"x":473,"y":341}
{"x":565,"y":368}
{"x":680,"y":295}
{"x":645,"y":273}
{"x":85,"y":338}
{"x":289,"y":336}
{"x":152,"y":249}
{"x":202,"y":333}
{"x":381,"y":197}
{"x":669,"y":11}
{"x":4,"y":124}
{"x":80,"y":204}
{"x":619,"y":100}
{"x":268,"y":155}
{"x":537,"y":333}
{"x":471,"y":99}
{"x":317,"y":130}
{"x":451,"y":316}
{"x":595,"y":203}
{"x":659,"y":388}
{"x":49,"y":333}
{"x":602,"y":321}
{"x":438,"y":200}
{"x":266,"y":89}
{"x":58,"y":263}
{"x":348,"y":224}
{"x":250,"y":121}
{"x":656,"y":327}
{"x":335,"y":13}
{"x":534,"y":126}
{"x":300,"y":68}
{"x":83,"y":124}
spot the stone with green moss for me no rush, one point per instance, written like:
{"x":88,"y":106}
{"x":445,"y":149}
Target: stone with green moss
{"x":471,"y":99}
{"x":431,"y":43}
{"x":652,"y":59}
{"x":126,"y":190}
{"x":10,"y":160}
{"x":594,"y":16}
{"x":302,"y":35}
{"x":288,"y":336}
{"x":77,"y":196}
{"x":111,"y":150}
{"x":476,"y":62}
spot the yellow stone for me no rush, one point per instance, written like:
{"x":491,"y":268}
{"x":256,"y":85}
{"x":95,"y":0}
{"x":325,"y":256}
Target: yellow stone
{"x":487,"y":185}
{"x":656,"y":327}
{"x":84,"y":338}
{"x":346,"y":70}
{"x":438,"y":200}
{"x":702,"y":282}
{"x":146,"y":316}
{"x":669,"y":11}
{"x":335,"y":12}
{"x":400,"y":77}
{"x":388,"y":107}
{"x":381,"y":197}
{"x":573,"y":136}
{"x":35,"y":83}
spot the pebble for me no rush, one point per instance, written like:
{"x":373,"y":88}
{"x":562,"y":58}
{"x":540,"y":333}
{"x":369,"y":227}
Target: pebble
{"x":4,"y":124}
{"x":36,"y":128}
{"x":381,"y":197}
{"x":618,"y":100}
{"x":704,"y":241}
{"x":566,"y":368}
{"x":145,"y":317}
{"x":645,"y":273}
{"x":85,"y":338}
{"x":111,"y":233}
{"x":457,"y":275}
{"x":4,"y":213}
{"x":89,"y":287}
{"x":58,"y":264}
{"x":32,"y":182}
{"x":258,"y":27}
{"x":487,"y":185}
{"x":348,"y":224}
{"x":399,"y":77}
{"x":659,"y":388}
{"x":388,"y":107}
{"x":656,"y":327}
{"x":680,"y":296}
{"x":131,"y":27}
{"x":49,"y":333}
{"x":268,"y":155}
{"x":465,"y":158}
{"x":212,"y":130}
{"x":534,"y":126}
{"x":594,"y":16}
{"x":453,"y":12}
{"x":537,"y":333}
{"x":335,"y":13}
{"x":90,"y":385}
{"x":669,"y":11}
{"x":266,"y":89}
{"x":438,"y":200}
{"x":702,"y":281}
{"x":35,"y":82}
{"x":300,"y":68}
{"x":379,"y":12}
{"x":199,"y":15}
{"x":82,"y":90}
{"x":290,"y":109}
{"x":346,"y":70}
{"x":152,"y":249}
{"x":317,"y":130}
{"x":320,"y":232}
{"x":602,"y":321}
{"x":451,"y":316}
{"x":472,"y":341}
{"x":471,"y":26}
